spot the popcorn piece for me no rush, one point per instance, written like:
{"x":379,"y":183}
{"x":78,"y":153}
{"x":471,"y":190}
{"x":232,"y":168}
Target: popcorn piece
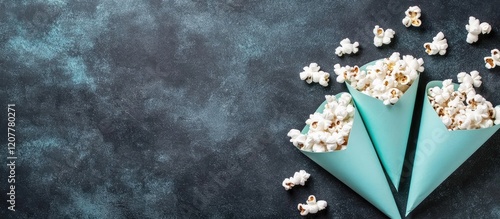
{"x":497,"y":112}
{"x":392,"y":96}
{"x":490,"y":62}
{"x":346,"y":72}
{"x":485,"y":28}
{"x":412,"y":17}
{"x":324,"y":78}
{"x":406,"y":21}
{"x":312,"y":73}
{"x":493,"y":60}
{"x":328,"y":130}
{"x":317,"y":122}
{"x":439,"y":45}
{"x":386,"y":80}
{"x":312,"y":206}
{"x":495,"y":54}
{"x":299,"y":178}
{"x":474,"y":28}
{"x":346,"y":47}
{"x":381,"y":36}
{"x":440,"y":96}
{"x":472,"y":78}
{"x":413,"y":66}
{"x":463,"y":109}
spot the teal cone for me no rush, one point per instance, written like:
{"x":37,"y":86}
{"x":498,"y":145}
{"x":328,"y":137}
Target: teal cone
{"x":439,"y":151}
{"x":358,"y":167}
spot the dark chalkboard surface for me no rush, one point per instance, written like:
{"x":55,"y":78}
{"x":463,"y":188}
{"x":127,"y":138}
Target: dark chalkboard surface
{"x":180,"y":109}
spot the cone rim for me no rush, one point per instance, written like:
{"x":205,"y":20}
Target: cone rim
{"x":416,"y":81}
{"x":317,"y":110}
{"x":435,"y":115}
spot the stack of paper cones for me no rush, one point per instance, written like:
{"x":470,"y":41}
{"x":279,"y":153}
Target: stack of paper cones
{"x":439,"y":151}
{"x":358,"y":167}
{"x":388,"y":126}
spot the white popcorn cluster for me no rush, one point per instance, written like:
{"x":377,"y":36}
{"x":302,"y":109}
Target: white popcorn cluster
{"x":329,"y":130}
{"x":463,"y":109}
{"x":412,"y":17}
{"x":439,"y":45}
{"x":299,"y":178}
{"x":312,"y":73}
{"x":312,"y":206}
{"x":493,"y":60}
{"x":387,"y":80}
{"x":346,"y":47}
{"x":475,"y":28}
{"x":381,"y":36}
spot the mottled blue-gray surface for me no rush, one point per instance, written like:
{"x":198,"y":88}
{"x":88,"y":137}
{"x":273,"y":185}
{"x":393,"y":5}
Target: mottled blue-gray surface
{"x":180,"y":109}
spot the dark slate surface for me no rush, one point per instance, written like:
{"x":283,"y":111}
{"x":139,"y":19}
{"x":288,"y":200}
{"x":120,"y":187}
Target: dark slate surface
{"x":180,"y":109}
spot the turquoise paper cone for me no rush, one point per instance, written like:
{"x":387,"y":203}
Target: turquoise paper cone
{"x":358,"y":167}
{"x":388,"y":126}
{"x":439,"y":151}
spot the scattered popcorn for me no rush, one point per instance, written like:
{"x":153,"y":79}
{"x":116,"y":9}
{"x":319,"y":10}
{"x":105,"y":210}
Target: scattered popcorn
{"x":299,"y":178}
{"x":493,"y":60}
{"x":412,"y":17}
{"x":329,"y":130}
{"x":381,"y":36}
{"x":463,"y":109}
{"x":312,"y":206}
{"x":475,"y":28}
{"x":386,"y":80}
{"x":439,"y":45}
{"x":472,"y":78}
{"x":346,"y":47}
{"x":312,"y":73}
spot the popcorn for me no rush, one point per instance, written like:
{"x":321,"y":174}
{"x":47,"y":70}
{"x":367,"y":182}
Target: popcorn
{"x":297,"y":139}
{"x":317,"y":122}
{"x":328,"y":130}
{"x":413,"y":66}
{"x":386,"y":80}
{"x":475,"y":28}
{"x":497,"y":112}
{"x":346,"y":47}
{"x":312,"y":206}
{"x":312,"y":73}
{"x":439,"y":45}
{"x":299,"y":178}
{"x":493,"y":60}
{"x":472,"y":78}
{"x":463,"y":109}
{"x":412,"y":17}
{"x":381,"y":36}
{"x":485,"y":28}
{"x":345,"y":72}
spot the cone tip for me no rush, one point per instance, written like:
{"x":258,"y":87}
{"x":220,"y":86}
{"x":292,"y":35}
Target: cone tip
{"x":409,"y":207}
{"x":395,"y":215}
{"x":395,"y":181}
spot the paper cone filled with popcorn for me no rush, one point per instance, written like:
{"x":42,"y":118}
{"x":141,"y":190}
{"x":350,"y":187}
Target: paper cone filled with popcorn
{"x":336,"y":139}
{"x":455,"y":122}
{"x":384,"y":92}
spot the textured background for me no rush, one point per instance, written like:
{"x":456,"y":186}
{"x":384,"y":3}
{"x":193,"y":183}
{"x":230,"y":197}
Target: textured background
{"x":152,"y":109}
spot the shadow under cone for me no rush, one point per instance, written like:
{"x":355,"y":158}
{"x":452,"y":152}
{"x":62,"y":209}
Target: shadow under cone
{"x":358,"y":167}
{"x":388,"y":126}
{"x":439,"y":151}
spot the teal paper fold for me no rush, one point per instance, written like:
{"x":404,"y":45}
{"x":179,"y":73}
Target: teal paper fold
{"x":388,"y":126}
{"x":439,"y":151}
{"x":358,"y":167}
